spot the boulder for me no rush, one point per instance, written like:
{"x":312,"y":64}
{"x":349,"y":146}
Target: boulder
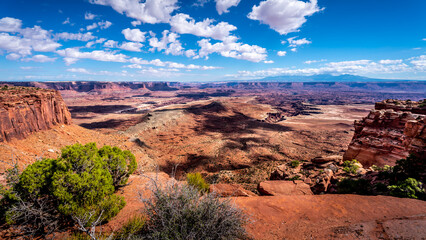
{"x":282,"y":188}
{"x":230,"y":190}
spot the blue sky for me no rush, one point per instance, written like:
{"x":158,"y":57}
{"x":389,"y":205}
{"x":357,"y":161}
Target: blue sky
{"x":210,"y":40}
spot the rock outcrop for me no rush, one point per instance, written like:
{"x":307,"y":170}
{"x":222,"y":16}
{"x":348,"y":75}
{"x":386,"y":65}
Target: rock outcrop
{"x":284,"y":188}
{"x":393,"y":130}
{"x":27,"y":110}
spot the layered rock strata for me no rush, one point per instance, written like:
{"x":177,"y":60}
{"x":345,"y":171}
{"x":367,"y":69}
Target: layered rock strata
{"x":27,"y":110}
{"x":393,"y":130}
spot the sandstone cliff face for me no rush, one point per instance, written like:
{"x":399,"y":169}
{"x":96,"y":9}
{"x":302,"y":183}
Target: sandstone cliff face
{"x":386,"y":135}
{"x":27,"y":110}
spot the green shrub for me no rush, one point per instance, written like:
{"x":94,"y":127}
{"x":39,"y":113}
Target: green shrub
{"x":410,"y":188}
{"x":198,"y":182}
{"x":132,"y":227}
{"x":411,"y":167}
{"x":350,"y":166}
{"x":180,"y":211}
{"x":78,"y":184}
{"x":297,"y":177}
{"x":354,"y":186}
{"x":294,"y":163}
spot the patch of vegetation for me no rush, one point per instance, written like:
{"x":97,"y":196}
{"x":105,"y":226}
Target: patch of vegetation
{"x":294,"y":163}
{"x":132,"y":227}
{"x":409,"y":188}
{"x":297,"y":177}
{"x":350,"y":166}
{"x":179,"y":211}
{"x":78,"y":187}
{"x":402,"y":180}
{"x":198,"y":182}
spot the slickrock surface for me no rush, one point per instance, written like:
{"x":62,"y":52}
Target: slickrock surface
{"x":333,"y":216}
{"x":27,"y":110}
{"x":386,"y":135}
{"x":230,"y":190}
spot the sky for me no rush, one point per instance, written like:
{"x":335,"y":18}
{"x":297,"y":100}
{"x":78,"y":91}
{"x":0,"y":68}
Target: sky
{"x":210,"y":40}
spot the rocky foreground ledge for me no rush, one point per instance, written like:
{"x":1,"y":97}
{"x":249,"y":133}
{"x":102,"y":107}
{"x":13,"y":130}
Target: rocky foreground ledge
{"x":392,"y":131}
{"x":328,"y":216}
{"x":25,"y":110}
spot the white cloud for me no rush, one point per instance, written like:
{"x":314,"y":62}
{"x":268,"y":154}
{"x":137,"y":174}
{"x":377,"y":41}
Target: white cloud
{"x":268,"y":62}
{"x":137,"y":62}
{"x":131,"y":46}
{"x":419,"y":63}
{"x":67,"y":21}
{"x":284,"y":16}
{"x":27,"y":67}
{"x":169,"y":43}
{"x":101,"y":24}
{"x":89,"y":16}
{"x":232,"y":49}
{"x":149,"y":11}
{"x":8,"y":24}
{"x":345,"y":67}
{"x":13,"y":56}
{"x":111,"y":44}
{"x":387,"y":61}
{"x":134,"y":35}
{"x":190,"y":53}
{"x":91,"y":26}
{"x":184,"y":24}
{"x":78,"y":70}
{"x":315,"y":61}
{"x":104,"y":24}
{"x":91,"y":43}
{"x":222,"y":6}
{"x":136,"y":23}
{"x":39,"y":58}
{"x":293,"y":49}
{"x":75,"y":36}
{"x":424,"y":39}
{"x":293,"y":42}
{"x":71,"y":55}
{"x":14,"y":44}
{"x":281,"y":53}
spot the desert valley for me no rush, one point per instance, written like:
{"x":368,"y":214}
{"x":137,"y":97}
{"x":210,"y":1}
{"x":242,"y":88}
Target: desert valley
{"x":278,"y":149}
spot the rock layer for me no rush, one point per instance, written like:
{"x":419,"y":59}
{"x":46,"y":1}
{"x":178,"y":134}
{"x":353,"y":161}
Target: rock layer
{"x":386,"y":135}
{"x":27,"y":110}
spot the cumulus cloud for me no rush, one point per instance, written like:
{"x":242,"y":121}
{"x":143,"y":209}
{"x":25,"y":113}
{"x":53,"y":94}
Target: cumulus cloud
{"x":281,"y":53}
{"x":293,"y":42}
{"x":89,"y":16}
{"x":268,"y":62}
{"x":284,"y":16}
{"x":111,"y":44}
{"x":75,"y":36}
{"x":22,"y":41}
{"x":184,"y":24}
{"x":222,"y":6}
{"x":149,"y":11}
{"x":169,"y":43}
{"x":387,"y":61}
{"x":8,"y":24}
{"x":232,"y":49}
{"x":91,"y":43}
{"x":131,"y":46}
{"x":72,"y":55}
{"x":101,"y":24}
{"x":134,"y":35}
{"x":343,"y":67}
{"x":136,"y":23}
{"x":39,"y":58}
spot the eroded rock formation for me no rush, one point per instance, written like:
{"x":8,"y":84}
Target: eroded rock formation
{"x":393,"y":130}
{"x":27,"y":110}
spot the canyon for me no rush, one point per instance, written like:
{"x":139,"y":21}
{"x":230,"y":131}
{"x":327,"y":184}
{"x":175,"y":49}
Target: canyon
{"x":244,"y":138}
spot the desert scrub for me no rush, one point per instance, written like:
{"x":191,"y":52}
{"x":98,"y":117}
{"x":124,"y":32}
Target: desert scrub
{"x":180,"y":211}
{"x":294,"y":163}
{"x":79,"y":186}
{"x":131,"y":228}
{"x":350,"y":166}
{"x":410,"y":188}
{"x":198,"y":182}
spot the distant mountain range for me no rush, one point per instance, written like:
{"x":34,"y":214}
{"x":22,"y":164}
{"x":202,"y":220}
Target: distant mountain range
{"x":325,"y":78}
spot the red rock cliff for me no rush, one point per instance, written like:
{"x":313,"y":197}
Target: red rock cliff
{"x":27,"y":110}
{"x":391,"y":131}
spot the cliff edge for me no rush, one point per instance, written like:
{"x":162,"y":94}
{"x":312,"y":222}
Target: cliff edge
{"x":25,"y":110}
{"x":392,"y":131}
